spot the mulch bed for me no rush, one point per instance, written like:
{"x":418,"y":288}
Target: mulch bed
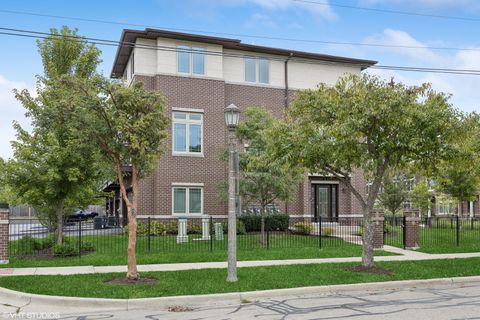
{"x":374,"y":270}
{"x":126,"y":281}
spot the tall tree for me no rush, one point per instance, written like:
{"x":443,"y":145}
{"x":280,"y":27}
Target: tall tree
{"x":263,"y":181}
{"x":54,"y":166}
{"x":367,"y":123}
{"x":130,"y":126}
{"x":422,"y":197}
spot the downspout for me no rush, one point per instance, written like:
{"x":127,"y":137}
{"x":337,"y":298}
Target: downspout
{"x":286,"y":100}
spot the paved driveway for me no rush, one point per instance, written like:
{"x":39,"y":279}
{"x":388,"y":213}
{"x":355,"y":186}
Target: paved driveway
{"x":452,"y":302}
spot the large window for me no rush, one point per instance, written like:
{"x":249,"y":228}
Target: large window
{"x":257,"y":70}
{"x":187,"y":133}
{"x":191,"y":60}
{"x":187,"y":200}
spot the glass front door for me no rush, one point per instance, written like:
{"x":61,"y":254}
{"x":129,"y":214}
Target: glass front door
{"x":324,"y":202}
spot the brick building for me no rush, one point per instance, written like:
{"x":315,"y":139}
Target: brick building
{"x":199,"y":76}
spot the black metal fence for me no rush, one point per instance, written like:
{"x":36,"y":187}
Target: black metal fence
{"x":31,"y":238}
{"x":394,"y":231}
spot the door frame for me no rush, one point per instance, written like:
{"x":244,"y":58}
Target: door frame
{"x":314,"y":196}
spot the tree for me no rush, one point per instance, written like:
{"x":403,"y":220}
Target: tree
{"x":263,"y":181}
{"x":393,"y":194}
{"x":421,"y":197}
{"x":364,"y":122}
{"x":129,"y":125}
{"x":54,"y":167}
{"x":459,"y":174}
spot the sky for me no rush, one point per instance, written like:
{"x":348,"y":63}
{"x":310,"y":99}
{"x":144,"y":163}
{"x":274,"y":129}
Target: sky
{"x":325,"y":20}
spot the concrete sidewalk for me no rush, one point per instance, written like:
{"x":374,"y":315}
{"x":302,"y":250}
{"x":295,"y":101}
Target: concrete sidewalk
{"x":405,"y":255}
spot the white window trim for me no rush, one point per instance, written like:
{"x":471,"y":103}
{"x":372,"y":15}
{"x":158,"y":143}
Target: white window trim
{"x":187,"y":122}
{"x":190,"y":56}
{"x":257,"y":70}
{"x":187,"y":186}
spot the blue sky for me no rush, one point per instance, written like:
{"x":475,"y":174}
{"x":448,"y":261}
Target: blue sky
{"x":20,"y":62}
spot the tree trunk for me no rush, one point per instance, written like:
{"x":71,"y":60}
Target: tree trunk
{"x":369,"y":229}
{"x":59,"y":215}
{"x":132,"y":271}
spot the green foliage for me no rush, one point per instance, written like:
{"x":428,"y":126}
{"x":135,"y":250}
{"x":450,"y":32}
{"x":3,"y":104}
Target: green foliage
{"x":277,"y":221}
{"x":303,"y":228}
{"x":421,"y":197}
{"x":393,"y":194}
{"x":327,"y":231}
{"x":262,"y":180}
{"x":88,"y":246}
{"x":240,"y":227}
{"x":64,"y":250}
{"x":27,"y":245}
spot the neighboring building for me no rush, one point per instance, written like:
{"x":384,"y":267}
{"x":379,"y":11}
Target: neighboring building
{"x":199,"y":76}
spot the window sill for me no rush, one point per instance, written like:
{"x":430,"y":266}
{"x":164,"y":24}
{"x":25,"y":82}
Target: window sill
{"x":193,"y":155}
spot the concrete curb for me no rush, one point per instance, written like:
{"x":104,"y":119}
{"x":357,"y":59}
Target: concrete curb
{"x":228,"y":298}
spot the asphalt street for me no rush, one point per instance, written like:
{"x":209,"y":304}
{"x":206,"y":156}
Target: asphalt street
{"x":440,"y":302}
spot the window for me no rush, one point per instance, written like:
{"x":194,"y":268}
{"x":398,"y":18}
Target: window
{"x":187,"y":133}
{"x":445,"y":206}
{"x":187,"y":200}
{"x":191,"y":60}
{"x":257,"y":70}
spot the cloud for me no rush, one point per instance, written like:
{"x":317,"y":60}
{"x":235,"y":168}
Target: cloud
{"x":323,"y":10}
{"x":464,"y":88}
{"x":11,"y":110}
{"x":259,"y":19}
{"x":407,"y":46}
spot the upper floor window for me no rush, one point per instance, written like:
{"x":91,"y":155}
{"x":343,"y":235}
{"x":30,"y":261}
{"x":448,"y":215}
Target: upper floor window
{"x":257,"y":70}
{"x":187,"y":133}
{"x":191,"y":60}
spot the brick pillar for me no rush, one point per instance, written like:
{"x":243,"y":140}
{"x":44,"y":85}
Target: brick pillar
{"x":412,"y":228}
{"x":378,"y":219}
{"x":4,"y":213}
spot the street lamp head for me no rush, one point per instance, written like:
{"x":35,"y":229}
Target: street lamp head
{"x":232,"y":116}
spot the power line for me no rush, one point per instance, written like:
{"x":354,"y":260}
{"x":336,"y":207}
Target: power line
{"x":112,"y":43}
{"x":338,"y":43}
{"x":407,"y":13}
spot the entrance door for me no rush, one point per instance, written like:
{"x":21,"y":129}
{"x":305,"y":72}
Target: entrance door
{"x":324,"y":201}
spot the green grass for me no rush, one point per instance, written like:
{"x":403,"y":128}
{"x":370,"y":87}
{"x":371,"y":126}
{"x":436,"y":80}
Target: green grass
{"x":111,"y":250}
{"x":441,"y":238}
{"x":194,"y":282}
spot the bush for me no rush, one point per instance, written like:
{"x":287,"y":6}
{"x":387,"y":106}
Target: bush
{"x":240,"y":227}
{"x":387,"y":227}
{"x":28,"y":244}
{"x":87,"y":246}
{"x":156,"y":228}
{"x":64,"y":250}
{"x":171,"y":227}
{"x":276,"y":221}
{"x":303,"y":228}
{"x":328,"y":231}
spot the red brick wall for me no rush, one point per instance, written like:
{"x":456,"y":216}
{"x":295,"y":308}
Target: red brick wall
{"x":4,"y":235}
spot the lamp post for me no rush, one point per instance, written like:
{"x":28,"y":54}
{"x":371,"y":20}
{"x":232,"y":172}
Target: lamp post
{"x":232,"y":115}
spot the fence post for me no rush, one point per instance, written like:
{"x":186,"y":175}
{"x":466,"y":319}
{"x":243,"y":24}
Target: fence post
{"x":320,"y":232}
{"x":458,"y":231}
{"x":79,"y":238}
{"x":378,"y":221}
{"x":148,"y":235}
{"x":4,"y":226}
{"x":412,"y":228}
{"x":211,"y":234}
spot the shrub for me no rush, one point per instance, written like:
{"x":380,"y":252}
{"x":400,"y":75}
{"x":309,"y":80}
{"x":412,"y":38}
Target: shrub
{"x":156,"y":228}
{"x":193,"y":227}
{"x":276,"y":221}
{"x":171,"y":227}
{"x":303,"y":228}
{"x":240,"y":227}
{"x":387,"y":227}
{"x":27,"y":245}
{"x":64,"y":250}
{"x":328,"y":231}
{"x":87,"y":246}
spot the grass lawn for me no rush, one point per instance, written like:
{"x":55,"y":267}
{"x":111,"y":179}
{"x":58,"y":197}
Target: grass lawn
{"x":441,"y":239}
{"x":250,"y":279}
{"x":111,"y":250}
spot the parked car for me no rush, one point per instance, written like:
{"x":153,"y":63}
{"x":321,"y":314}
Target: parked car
{"x":81,"y":215}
